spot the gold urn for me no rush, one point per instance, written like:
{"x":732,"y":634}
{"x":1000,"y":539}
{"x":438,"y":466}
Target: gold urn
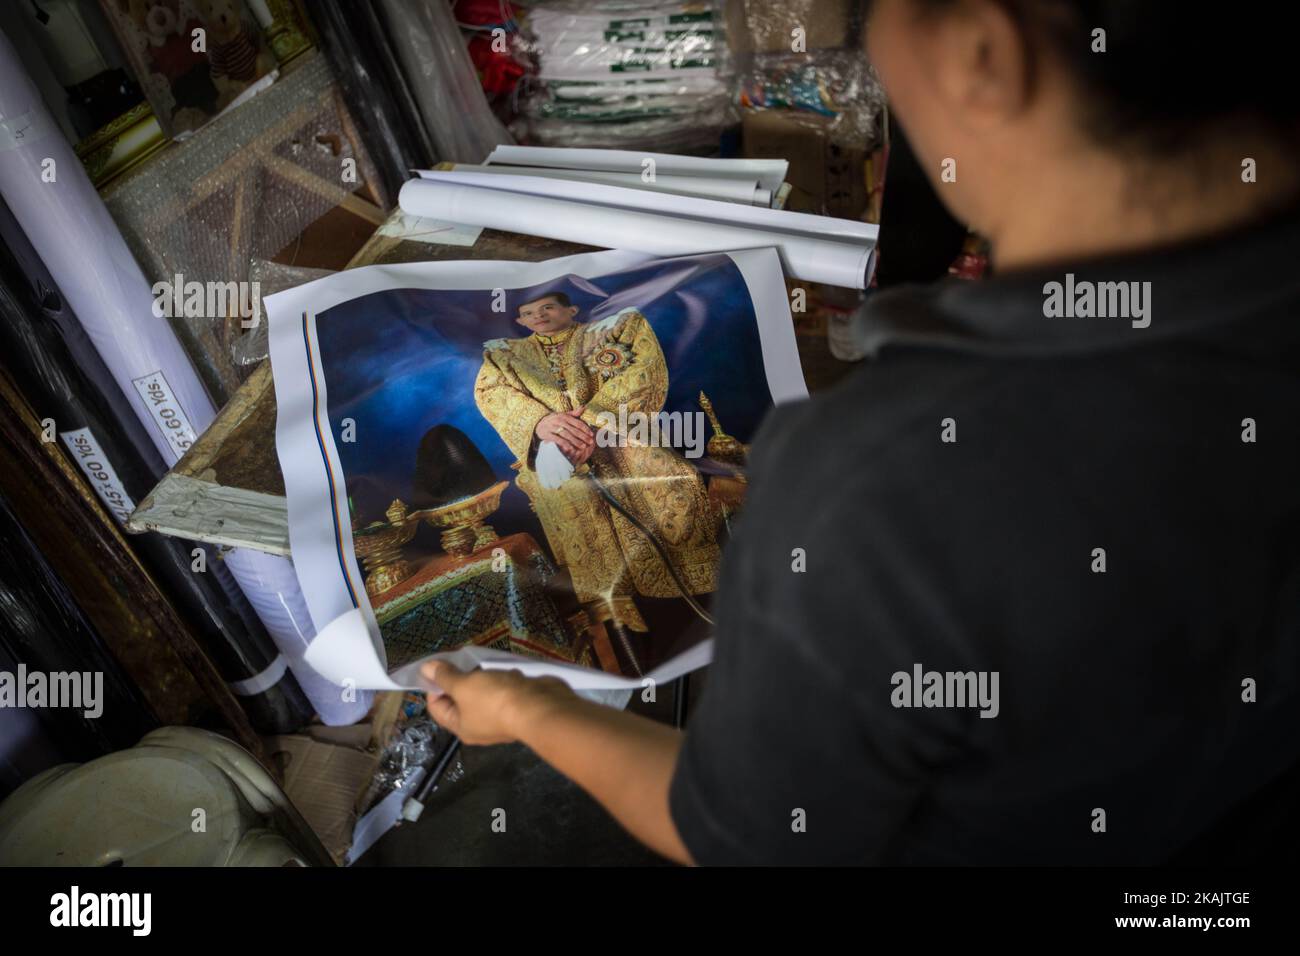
{"x":463,"y":524}
{"x":379,"y":547}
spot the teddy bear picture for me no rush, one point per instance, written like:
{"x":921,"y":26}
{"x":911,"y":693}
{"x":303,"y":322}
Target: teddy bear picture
{"x":193,"y":58}
{"x":237,"y":57}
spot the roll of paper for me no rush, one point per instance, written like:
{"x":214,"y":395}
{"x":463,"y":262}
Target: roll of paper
{"x":271,"y":586}
{"x":769,"y":172}
{"x":67,"y":223}
{"x":705,"y":210}
{"x":725,"y":188}
{"x":841,"y":262}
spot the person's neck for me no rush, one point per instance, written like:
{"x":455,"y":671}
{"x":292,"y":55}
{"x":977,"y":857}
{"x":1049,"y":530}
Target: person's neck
{"x":1103,"y":205}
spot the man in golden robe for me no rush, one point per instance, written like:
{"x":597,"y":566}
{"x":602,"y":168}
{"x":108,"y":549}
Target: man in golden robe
{"x":561,"y":383}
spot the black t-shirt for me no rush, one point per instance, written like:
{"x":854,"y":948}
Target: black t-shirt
{"x":1137,"y":706}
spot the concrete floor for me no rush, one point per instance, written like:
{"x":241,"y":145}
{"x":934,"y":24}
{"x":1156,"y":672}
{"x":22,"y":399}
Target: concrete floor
{"x":549,"y":821}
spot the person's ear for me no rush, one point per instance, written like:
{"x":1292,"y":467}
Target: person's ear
{"x":520,"y":320}
{"x":982,"y":63}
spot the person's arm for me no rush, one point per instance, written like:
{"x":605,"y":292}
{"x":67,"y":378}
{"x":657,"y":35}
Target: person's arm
{"x":796,"y":754}
{"x":624,"y":761}
{"x":509,"y":409}
{"x":519,"y":418}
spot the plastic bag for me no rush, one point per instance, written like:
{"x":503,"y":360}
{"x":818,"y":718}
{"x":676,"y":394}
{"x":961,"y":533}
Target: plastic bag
{"x":250,"y":348}
{"x":628,"y":75}
{"x":446,"y":88}
{"x":831,"y":84}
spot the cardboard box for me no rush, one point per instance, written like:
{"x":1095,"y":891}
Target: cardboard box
{"x":324,"y":771}
{"x":828,"y":178}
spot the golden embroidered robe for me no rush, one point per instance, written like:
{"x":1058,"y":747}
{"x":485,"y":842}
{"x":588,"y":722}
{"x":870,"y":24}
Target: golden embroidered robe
{"x":602,"y":365}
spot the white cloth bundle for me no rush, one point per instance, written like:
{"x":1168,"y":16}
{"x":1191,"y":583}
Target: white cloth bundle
{"x":552,"y":467}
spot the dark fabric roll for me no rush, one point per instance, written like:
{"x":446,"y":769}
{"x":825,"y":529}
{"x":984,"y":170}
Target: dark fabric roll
{"x":353,"y":40}
{"x":53,"y":362}
{"x":43,"y":628}
{"x":449,"y":467}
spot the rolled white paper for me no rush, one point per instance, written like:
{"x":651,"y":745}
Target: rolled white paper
{"x":724,"y":188}
{"x":271,"y":585}
{"x":769,"y":172}
{"x":48,"y":190}
{"x":521,"y":180}
{"x":812,"y":259}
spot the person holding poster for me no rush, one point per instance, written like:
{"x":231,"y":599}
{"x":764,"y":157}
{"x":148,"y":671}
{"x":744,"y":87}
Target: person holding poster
{"x":1024,"y":587}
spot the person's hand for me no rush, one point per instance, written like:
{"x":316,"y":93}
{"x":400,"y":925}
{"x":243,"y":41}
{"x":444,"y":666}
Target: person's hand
{"x":573,"y":436}
{"x":582,"y":457}
{"x":490,"y":707}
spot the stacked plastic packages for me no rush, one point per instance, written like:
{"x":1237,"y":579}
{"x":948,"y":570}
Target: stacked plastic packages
{"x":628,"y":74}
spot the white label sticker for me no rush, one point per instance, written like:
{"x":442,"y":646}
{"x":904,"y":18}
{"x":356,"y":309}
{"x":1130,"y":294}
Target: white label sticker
{"x":166,"y":411}
{"x":99,"y":471}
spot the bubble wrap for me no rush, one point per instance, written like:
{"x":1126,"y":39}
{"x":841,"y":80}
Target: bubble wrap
{"x":244,"y":188}
{"x":249,"y":348}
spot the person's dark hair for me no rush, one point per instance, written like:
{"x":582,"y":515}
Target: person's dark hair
{"x":560,"y":297}
{"x":1171,"y":73}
